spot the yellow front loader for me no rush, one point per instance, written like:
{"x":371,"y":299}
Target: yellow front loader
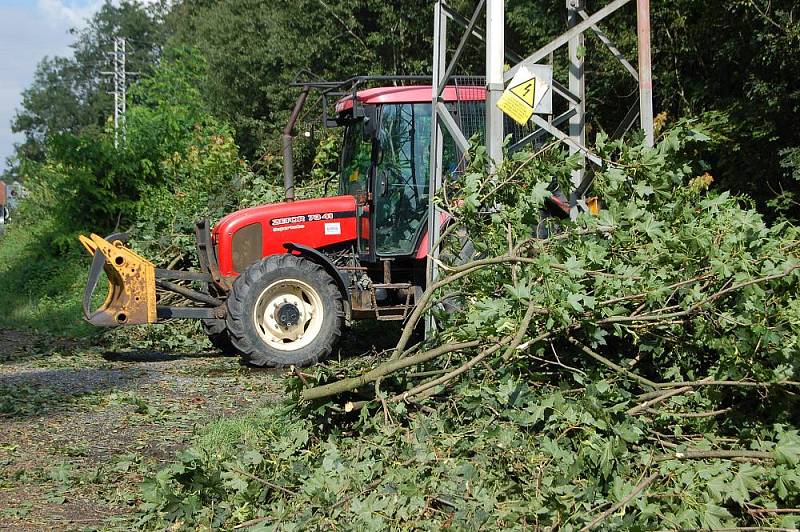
{"x":132,"y":283}
{"x":131,"y":298}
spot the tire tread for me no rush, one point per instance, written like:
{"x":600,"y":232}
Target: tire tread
{"x":254,"y":352}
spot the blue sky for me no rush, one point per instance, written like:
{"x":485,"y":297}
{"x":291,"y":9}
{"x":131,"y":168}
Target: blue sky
{"x":29,"y":30}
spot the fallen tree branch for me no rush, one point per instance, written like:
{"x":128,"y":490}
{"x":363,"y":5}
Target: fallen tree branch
{"x":710,"y":413}
{"x":758,"y":511}
{"x":464,"y":270}
{"x":520,"y":334}
{"x":252,"y":522}
{"x":643,"y":295}
{"x":425,"y":374}
{"x":371,"y":486}
{"x":755,"y":528}
{"x":318,"y":392}
{"x":751,"y":384}
{"x":267,"y":483}
{"x":459,"y":272}
{"x":300,"y":374}
{"x":533,"y":341}
{"x":658,"y":399}
{"x":695,"y":307}
{"x":448,"y":376}
{"x":701,"y":455}
{"x":616,"y":367}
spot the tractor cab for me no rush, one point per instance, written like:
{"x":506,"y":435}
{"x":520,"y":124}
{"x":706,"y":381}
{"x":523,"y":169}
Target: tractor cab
{"x":385,"y":161}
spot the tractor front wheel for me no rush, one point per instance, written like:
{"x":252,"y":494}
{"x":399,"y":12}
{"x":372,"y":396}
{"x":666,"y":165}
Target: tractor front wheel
{"x":284,"y":310}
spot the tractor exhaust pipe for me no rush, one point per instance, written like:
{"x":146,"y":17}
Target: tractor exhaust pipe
{"x":288,"y":165}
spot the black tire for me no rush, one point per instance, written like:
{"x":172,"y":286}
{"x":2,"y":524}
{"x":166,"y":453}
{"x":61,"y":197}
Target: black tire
{"x":217,"y":332}
{"x":268,"y":275}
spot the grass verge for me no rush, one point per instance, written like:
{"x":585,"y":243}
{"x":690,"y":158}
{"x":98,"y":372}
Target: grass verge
{"x":41,"y":289}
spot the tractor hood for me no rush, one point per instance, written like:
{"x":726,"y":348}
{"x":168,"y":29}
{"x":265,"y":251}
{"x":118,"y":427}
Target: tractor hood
{"x":246,"y":236}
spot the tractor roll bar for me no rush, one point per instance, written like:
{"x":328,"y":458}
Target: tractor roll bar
{"x":328,"y":89}
{"x":288,"y":165}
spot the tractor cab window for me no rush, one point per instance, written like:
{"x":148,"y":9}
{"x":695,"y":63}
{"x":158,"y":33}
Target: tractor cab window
{"x":356,"y":160}
{"x":401,"y":198}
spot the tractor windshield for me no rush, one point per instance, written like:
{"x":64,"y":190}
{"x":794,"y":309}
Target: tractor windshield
{"x":401,"y":169}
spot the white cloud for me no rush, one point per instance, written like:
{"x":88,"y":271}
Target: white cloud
{"x":74,"y":12}
{"x":62,"y":13}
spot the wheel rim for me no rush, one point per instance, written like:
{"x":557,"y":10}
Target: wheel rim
{"x":288,"y":314}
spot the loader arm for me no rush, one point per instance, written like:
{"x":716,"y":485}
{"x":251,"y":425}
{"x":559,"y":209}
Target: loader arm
{"x":132,"y":282}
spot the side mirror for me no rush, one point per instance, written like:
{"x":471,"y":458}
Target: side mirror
{"x":370,"y":121}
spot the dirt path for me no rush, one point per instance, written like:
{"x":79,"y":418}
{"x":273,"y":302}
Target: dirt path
{"x":80,"y":428}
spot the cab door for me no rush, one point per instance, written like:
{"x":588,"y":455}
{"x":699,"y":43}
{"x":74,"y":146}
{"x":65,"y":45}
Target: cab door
{"x":359,"y":157}
{"x":401,"y":190}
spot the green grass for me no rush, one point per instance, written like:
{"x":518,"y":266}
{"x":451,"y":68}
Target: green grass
{"x":41,"y":289}
{"x":225,"y":435}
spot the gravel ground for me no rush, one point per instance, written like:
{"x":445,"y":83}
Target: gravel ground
{"x":79,"y":428}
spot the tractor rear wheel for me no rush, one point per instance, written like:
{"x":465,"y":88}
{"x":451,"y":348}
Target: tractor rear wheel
{"x":217,"y":332}
{"x":284,"y":310}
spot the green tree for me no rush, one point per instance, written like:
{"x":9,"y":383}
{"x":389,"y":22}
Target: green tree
{"x":86,"y":182}
{"x":256,"y":49}
{"x":69,"y":94}
{"x":738,"y":58}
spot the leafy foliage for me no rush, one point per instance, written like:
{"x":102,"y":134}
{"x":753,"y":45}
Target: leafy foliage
{"x":670,"y":283}
{"x":661,"y":245}
{"x":566,"y":406}
{"x":255,"y":50}
{"x":87,"y":182}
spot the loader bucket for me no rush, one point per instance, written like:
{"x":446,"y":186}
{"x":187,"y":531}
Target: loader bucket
{"x":131,"y":298}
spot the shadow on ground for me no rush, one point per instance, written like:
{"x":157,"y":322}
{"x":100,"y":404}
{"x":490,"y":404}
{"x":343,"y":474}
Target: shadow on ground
{"x":369,"y":338}
{"x":33,"y":384}
{"x":37,"y":392}
{"x":150,"y":355}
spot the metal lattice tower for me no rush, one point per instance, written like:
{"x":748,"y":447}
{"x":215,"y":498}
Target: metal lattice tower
{"x":120,"y":88}
{"x":119,"y":60}
{"x":579,"y":22}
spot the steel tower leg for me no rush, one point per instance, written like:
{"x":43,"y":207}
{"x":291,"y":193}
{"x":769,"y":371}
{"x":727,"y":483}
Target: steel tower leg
{"x":437,"y":143}
{"x":645,"y":70}
{"x":495,"y":56}
{"x":577,"y":86}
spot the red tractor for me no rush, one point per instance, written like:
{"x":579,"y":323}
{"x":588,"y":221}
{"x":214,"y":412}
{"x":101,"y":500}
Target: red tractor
{"x":280,"y":281}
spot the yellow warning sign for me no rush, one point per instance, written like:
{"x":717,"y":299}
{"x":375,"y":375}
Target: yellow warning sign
{"x":515,"y":107}
{"x":525,"y":91}
{"x":517,"y":101}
